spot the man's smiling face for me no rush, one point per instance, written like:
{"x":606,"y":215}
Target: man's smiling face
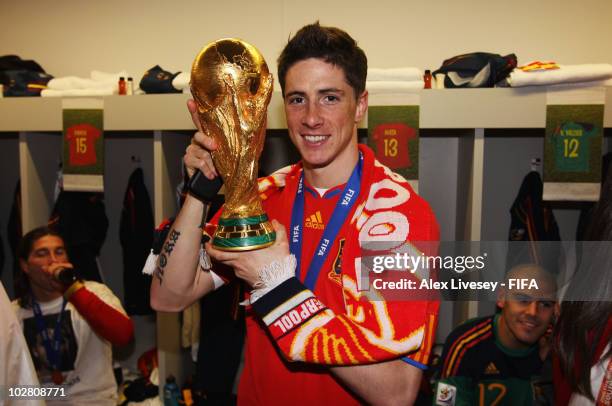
{"x":322,"y":113}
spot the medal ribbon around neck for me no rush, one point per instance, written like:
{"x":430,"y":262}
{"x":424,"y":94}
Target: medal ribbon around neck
{"x":343,"y":207}
{"x":52,"y":348}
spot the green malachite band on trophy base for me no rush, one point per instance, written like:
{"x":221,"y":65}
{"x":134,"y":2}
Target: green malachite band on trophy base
{"x":244,"y":244}
{"x":244,"y":234}
{"x":243,"y":221}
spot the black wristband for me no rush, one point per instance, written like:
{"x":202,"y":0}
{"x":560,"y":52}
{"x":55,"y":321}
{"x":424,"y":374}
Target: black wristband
{"x":277,"y":296}
{"x":203,"y":188}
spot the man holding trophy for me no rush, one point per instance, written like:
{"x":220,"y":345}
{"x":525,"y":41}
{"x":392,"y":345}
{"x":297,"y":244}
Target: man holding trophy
{"x":313,"y":335}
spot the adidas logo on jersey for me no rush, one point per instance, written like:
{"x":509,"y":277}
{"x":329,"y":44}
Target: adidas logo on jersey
{"x":315,"y":221}
{"x":491,"y":369}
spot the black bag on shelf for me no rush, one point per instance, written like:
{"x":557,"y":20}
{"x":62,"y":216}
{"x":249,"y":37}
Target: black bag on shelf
{"x":22,"y":77}
{"x":476,"y":69}
{"x":13,"y":62}
{"x":25,"y":83}
{"x":157,"y":80}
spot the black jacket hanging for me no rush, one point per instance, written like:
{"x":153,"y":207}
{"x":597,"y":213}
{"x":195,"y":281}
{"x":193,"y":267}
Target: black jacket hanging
{"x":532,"y":220}
{"x":136,"y":235}
{"x":80,"y":217}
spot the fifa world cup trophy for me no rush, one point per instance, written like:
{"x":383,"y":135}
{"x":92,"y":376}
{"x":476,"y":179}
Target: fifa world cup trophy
{"x":231,"y":85}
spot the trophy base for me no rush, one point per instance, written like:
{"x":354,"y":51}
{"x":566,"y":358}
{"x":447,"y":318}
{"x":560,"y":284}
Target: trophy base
{"x":244,"y":234}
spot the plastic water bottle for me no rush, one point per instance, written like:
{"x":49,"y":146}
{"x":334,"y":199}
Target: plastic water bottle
{"x":171,"y":392}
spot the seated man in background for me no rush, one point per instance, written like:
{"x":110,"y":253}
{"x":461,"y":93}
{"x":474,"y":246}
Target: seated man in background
{"x":69,"y":325}
{"x":496,"y":360}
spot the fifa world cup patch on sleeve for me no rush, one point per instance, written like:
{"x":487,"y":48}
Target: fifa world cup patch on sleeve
{"x":446,"y":395}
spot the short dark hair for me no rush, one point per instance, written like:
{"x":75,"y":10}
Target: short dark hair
{"x":22,"y":284}
{"x":330,"y":44}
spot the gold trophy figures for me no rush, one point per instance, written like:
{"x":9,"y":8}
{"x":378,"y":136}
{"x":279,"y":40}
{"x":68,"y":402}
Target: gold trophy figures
{"x":231,"y":85}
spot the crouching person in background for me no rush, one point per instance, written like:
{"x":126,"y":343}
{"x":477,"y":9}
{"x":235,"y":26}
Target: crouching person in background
{"x":70,"y":325}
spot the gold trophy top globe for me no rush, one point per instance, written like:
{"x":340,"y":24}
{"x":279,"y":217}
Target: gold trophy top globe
{"x":227,"y":60}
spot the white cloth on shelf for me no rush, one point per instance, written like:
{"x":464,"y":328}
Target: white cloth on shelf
{"x":106,"y":91}
{"x":565,"y":74}
{"x":577,"y":85}
{"x":393,"y":87}
{"x":406,"y":74}
{"x":99,"y":84}
{"x":181,"y":81}
{"x":97,"y":79}
{"x":74,"y":82}
{"x":100,"y":76}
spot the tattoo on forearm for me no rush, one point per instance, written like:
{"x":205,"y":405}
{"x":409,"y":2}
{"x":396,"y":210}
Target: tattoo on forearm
{"x":159,"y":270}
{"x":163,"y":256}
{"x":172,"y":238}
{"x":165,"y":253}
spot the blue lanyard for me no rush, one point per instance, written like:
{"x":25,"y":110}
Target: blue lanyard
{"x":51,"y":348}
{"x":341,"y":211}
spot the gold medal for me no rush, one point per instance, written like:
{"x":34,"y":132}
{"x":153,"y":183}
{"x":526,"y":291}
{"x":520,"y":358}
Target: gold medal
{"x":57,"y":377}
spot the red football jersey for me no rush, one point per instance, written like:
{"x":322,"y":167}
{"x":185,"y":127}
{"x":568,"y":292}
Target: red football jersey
{"x":82,"y":139}
{"x":294,"y":333}
{"x":392,"y":148}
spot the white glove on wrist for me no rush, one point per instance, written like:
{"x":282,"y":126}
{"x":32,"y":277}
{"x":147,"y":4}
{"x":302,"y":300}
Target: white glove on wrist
{"x":273,"y":275}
